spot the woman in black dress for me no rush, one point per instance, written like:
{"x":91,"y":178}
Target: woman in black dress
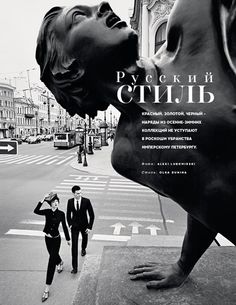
{"x":53,"y":217}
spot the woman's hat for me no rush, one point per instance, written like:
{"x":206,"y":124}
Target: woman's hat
{"x":51,"y":196}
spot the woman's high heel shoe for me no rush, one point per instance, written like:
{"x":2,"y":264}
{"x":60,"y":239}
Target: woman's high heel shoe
{"x":45,"y":296}
{"x":60,"y":267}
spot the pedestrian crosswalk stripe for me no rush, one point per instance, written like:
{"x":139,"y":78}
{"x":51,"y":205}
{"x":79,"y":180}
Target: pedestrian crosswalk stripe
{"x":88,"y":176}
{"x":35,"y":233}
{"x":37,"y":159}
{"x":112,"y":210}
{"x":25,"y":232}
{"x":98,"y":237}
{"x":20,"y":158}
{"x":33,"y":222}
{"x":123,"y":182}
{"x":84,"y":187}
{"x":64,"y":160}
{"x":84,"y":190}
{"x":140,"y":187}
{"x":89,"y":181}
{"x":89,"y":184}
{"x":10,"y":158}
{"x":45,"y":160}
{"x":103,"y":237}
{"x":129,"y":190}
{"x":51,"y":162}
{"x":134,"y":219}
{"x":120,"y":179}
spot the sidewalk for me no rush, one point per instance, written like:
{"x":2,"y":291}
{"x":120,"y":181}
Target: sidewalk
{"x":99,"y":163}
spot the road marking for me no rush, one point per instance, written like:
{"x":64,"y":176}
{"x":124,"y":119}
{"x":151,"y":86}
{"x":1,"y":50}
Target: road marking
{"x":103,"y":237}
{"x":33,"y":222}
{"x":153,"y":229}
{"x":84,"y":182}
{"x":90,"y":183}
{"x":138,"y":187}
{"x":25,"y":232}
{"x":19,"y":159}
{"x":117,"y":228}
{"x":46,"y":160}
{"x":129,"y":190}
{"x":128,"y":211}
{"x":123,"y":193}
{"x":132,"y":202}
{"x":84,"y":187}
{"x":53,"y":161}
{"x":81,"y":177}
{"x":134,"y":219}
{"x":125,"y":183}
{"x":135,"y":226}
{"x":35,"y":159}
{"x":38,"y":159}
{"x":6,"y":158}
{"x":66,"y":159}
{"x":98,"y":237}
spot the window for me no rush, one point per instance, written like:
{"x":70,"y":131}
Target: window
{"x":160,"y":36}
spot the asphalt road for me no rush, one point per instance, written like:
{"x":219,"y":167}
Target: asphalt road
{"x":122,"y":209}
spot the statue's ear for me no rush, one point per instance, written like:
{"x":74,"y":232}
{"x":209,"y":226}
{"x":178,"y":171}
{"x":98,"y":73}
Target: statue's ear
{"x":60,"y":62}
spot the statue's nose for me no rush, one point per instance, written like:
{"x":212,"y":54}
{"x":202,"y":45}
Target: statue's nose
{"x":103,"y":8}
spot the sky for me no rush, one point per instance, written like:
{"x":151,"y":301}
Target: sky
{"x":20,"y":21}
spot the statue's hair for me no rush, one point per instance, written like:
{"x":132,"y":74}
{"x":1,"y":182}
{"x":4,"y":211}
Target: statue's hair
{"x":62,"y":74}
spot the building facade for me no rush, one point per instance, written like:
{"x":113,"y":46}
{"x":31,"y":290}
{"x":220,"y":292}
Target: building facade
{"x":7,"y":111}
{"x":149,"y":20}
{"x":25,"y":117}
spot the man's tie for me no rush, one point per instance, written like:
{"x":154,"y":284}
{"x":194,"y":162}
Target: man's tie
{"x":77,"y":205}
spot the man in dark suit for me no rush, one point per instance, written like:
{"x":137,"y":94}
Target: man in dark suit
{"x":78,"y":210}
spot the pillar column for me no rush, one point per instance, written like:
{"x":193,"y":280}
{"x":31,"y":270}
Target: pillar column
{"x":145,"y":30}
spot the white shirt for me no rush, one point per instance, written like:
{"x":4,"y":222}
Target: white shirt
{"x":79,"y":203}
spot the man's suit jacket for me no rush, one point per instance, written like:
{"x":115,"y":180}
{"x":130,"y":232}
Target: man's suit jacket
{"x":79,"y":219}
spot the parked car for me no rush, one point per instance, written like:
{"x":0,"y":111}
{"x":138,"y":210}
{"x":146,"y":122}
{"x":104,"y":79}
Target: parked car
{"x":24,"y":138}
{"x":33,"y":140}
{"x":49,"y":137}
{"x":19,"y":140}
{"x":39,"y":138}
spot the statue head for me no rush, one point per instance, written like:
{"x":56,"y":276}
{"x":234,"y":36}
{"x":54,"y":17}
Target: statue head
{"x":77,"y":46}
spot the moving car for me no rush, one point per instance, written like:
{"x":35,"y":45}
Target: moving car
{"x":33,"y":140}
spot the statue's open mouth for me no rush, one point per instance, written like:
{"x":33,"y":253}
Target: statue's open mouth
{"x":114,"y":21}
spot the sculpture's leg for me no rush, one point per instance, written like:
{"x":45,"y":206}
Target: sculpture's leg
{"x":197,"y":239}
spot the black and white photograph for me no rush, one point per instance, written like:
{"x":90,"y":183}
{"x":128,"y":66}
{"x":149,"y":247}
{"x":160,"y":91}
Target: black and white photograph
{"x":117,"y":152}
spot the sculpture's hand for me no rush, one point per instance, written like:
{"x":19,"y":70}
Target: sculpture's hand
{"x":172,"y":277}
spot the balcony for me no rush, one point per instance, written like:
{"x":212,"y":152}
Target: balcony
{"x":29,"y":115}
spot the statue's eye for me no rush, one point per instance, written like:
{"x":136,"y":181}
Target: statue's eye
{"x":78,"y":15}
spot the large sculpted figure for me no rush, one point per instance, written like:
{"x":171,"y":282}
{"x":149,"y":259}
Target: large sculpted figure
{"x":80,"y":50}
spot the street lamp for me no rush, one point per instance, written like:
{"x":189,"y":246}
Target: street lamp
{"x":48,"y":106}
{"x":111,"y":119}
{"x":85,"y":144}
{"x":90,"y":146}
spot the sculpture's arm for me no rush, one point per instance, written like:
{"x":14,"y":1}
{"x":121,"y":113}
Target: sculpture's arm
{"x":197,"y":239}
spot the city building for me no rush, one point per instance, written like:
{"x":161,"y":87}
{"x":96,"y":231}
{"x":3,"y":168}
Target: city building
{"x":25,"y":117}
{"x":149,"y":20}
{"x":7,"y":111}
